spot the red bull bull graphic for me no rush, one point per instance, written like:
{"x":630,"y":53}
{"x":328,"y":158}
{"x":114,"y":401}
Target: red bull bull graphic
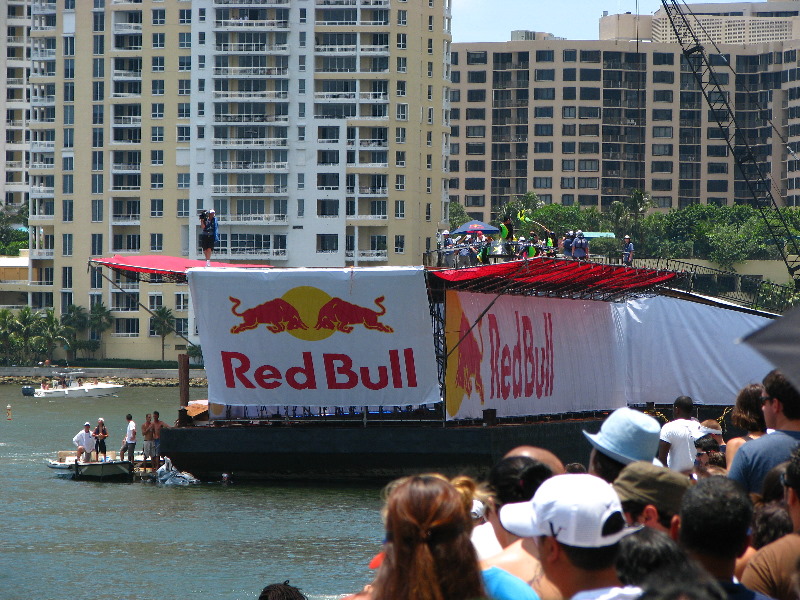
{"x":515,"y":358}
{"x":316,"y":337}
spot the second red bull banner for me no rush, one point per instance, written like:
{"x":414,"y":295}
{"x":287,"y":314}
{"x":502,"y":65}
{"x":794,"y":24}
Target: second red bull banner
{"x":528,"y":356}
{"x":315,"y":337}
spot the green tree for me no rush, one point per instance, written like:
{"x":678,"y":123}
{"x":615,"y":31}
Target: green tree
{"x":13,"y":229}
{"x":26,"y":329}
{"x":195,"y":353}
{"x":636,"y":205}
{"x":76,"y":320}
{"x":458,"y":216}
{"x":8,"y":338}
{"x":100,"y":319}
{"x":51,"y":333}
{"x":163,"y":323}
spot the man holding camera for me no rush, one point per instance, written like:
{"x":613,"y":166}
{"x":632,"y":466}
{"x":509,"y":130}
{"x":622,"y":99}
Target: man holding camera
{"x":209,"y":236}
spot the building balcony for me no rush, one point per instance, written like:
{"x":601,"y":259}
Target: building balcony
{"x":252,"y":48}
{"x":43,"y":100}
{"x":126,"y":167}
{"x":14,"y":81}
{"x":327,"y":141}
{"x":372,"y":191}
{"x":247,"y":95}
{"x":374,"y":3}
{"x":249,"y":2}
{"x":255,"y":142}
{"x":336,"y":2}
{"x":127,"y":121}
{"x":250,"y":71}
{"x":41,"y":191}
{"x":16,"y":164}
{"x":34,"y":121}
{"x":35,"y":76}
{"x":42,"y":146}
{"x":123,"y":28}
{"x":381,"y":49}
{"x":124,"y":74}
{"x":334,"y":95}
{"x":40,"y":165}
{"x":344,"y":49}
{"x":251,"y":118}
{"x":43,"y":54}
{"x":253,"y":219}
{"x":369,"y":143}
{"x":40,"y":27}
{"x":126,"y":219}
{"x":336,"y":23}
{"x":368,"y":255}
{"x":35,"y":283}
{"x":371,"y":165}
{"x":250,"y":166}
{"x":367,"y":218}
{"x":251,"y":24}
{"x":125,"y":188}
{"x":251,"y":253}
{"x":224,"y":190}
{"x":43,"y":8}
{"x":41,"y":217}
{"x":42,"y":253}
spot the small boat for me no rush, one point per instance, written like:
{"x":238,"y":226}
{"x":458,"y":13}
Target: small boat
{"x":71,"y":384}
{"x":170,"y":476}
{"x":107,"y":470}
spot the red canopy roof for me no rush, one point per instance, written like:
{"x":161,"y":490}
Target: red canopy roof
{"x":172,"y":268}
{"x":557,"y":277}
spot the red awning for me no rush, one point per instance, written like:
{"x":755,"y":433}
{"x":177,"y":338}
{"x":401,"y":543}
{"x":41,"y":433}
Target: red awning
{"x":557,"y":277}
{"x":171,"y":268}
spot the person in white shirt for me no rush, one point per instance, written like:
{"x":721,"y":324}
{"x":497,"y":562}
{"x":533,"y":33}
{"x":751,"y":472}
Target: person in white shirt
{"x":676,"y":446}
{"x":85,"y":443}
{"x":129,"y":443}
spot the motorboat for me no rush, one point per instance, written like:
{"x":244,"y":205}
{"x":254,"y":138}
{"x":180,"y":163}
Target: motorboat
{"x":110,"y":469}
{"x":72,"y":384}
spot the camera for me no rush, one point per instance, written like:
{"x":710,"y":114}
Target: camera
{"x":203,"y":214}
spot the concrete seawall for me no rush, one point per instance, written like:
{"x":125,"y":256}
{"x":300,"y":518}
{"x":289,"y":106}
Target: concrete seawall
{"x":131,"y":377}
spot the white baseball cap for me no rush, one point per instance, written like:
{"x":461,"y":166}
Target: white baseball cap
{"x":578,"y":510}
{"x":445,"y":232}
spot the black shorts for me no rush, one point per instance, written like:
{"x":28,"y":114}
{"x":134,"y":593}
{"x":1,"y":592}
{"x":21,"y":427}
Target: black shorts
{"x":100,"y":446}
{"x":206,"y":241}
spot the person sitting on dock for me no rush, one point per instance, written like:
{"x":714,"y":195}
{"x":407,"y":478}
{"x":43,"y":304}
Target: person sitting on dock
{"x":129,"y":443}
{"x":85,"y":443}
{"x":100,"y":434}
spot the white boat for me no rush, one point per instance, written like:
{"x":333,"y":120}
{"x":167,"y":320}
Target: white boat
{"x":72,"y":384}
{"x":108,"y":470}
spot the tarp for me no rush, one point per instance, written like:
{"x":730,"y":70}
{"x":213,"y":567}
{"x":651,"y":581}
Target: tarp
{"x":534,"y":356}
{"x":173,"y":268}
{"x":316,"y":337}
{"x":779,"y":342}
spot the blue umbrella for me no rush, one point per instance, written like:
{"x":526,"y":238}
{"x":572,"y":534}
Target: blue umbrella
{"x":474,"y":227}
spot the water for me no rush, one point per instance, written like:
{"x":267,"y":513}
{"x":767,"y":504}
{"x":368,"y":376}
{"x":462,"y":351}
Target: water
{"x":64,"y":539}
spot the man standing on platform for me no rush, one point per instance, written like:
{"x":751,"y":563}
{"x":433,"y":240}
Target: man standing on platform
{"x":129,"y":443}
{"x":149,"y":446}
{"x":158,"y":425}
{"x":627,"y":251}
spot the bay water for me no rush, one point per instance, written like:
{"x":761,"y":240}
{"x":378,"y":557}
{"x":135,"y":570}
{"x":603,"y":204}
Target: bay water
{"x":62,"y":539}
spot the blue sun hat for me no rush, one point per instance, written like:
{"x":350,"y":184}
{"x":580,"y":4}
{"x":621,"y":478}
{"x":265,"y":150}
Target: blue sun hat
{"x":627,"y":435}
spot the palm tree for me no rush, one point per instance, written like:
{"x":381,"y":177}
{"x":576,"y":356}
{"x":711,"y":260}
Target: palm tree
{"x":637,"y":205}
{"x":8,"y":323}
{"x":163,"y":323}
{"x":51,"y":333}
{"x":76,"y":320}
{"x":100,"y":319}
{"x":27,"y":327}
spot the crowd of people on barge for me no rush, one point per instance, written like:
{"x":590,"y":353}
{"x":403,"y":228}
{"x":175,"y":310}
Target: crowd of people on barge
{"x":476,"y":248}
{"x":670,"y":512}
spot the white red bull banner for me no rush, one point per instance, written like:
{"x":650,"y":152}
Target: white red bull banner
{"x":536,"y":356}
{"x":315,"y":337}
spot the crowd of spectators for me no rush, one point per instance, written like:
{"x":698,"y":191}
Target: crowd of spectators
{"x":624,"y":527}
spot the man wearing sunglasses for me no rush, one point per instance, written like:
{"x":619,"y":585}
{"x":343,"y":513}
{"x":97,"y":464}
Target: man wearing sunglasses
{"x":780,"y":403}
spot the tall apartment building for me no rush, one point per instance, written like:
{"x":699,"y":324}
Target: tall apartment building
{"x":585,"y":122}
{"x":317,"y":129}
{"x":723,"y":23}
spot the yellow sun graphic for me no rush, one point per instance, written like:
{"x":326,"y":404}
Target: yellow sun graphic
{"x":308,"y":300}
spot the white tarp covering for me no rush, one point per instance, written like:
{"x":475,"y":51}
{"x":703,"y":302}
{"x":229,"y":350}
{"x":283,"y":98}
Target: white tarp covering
{"x":584,"y":355}
{"x":779,"y":342}
{"x":315,"y":337}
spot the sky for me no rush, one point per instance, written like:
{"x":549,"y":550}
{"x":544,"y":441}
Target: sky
{"x":493,"y":20}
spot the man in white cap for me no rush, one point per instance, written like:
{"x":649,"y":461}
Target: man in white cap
{"x":627,"y":251}
{"x":580,"y":246}
{"x":627,"y":435}
{"x":577,"y":523}
{"x":85,"y":443}
{"x":447,"y":244}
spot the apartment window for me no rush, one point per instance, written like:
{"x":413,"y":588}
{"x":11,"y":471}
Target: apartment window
{"x":663,"y":58}
{"x":476,"y":95}
{"x":67,"y":184}
{"x":98,"y":22}
{"x":540,"y":93}
{"x":543,"y":129}
{"x":97,"y":183}
{"x":663,"y":77}
{"x":201,"y":109}
{"x":159,"y":40}
{"x":542,"y":147}
{"x":66,"y":247}
{"x":98,"y":67}
{"x":430,"y":114}
{"x":661,"y":166}
{"x":183,"y":207}
{"x":157,"y":64}
{"x":540,"y":164}
{"x":715,"y":168}
{"x":570,"y":74}
{"x":400,"y":135}
{"x":476,"y":58}
{"x":588,"y":164}
{"x":475,"y":131}
{"x":69,"y":68}
{"x":717,"y":151}
{"x":567,"y":183}
{"x":661,"y":185}
{"x":399,"y":209}
{"x":155,"y":301}
{"x":402,"y":112}
{"x":184,"y":87}
{"x":201,"y":61}
{"x":400,"y":182}
{"x":475,"y":200}
{"x":184,"y":133}
{"x":662,"y":150}
{"x":97,"y":211}
{"x":301,"y":181}
{"x":159,"y":16}
{"x":662,"y":114}
{"x":157,"y":134}
{"x":568,"y":129}
{"x":400,"y":158}
{"x":184,"y":63}
{"x":156,"y":242}
{"x":588,"y":183}
{"x":126,"y":327}
{"x":98,"y":45}
{"x":184,"y":110}
{"x":327,"y":242}
{"x":588,"y":147}
{"x":97,"y":244}
{"x":662,"y":132}
{"x":181,"y":301}
{"x":156,"y":207}
{"x":568,"y":93}
{"x":662,"y":96}
{"x":590,"y":93}
{"x":69,"y":92}
{"x":474,"y":183}
{"x":66,"y":272}
{"x":568,"y":164}
{"x":402,"y":17}
{"x":402,"y":41}
{"x":97,"y":113}
{"x":477,"y":77}
{"x":401,"y":88}
{"x":157,"y":110}
{"x":430,"y":69}
{"x":156,"y":157}
{"x":543,"y":112}
{"x":402,"y":64}
{"x":184,"y":40}
{"x":589,"y":130}
{"x":201,"y":38}
{"x":185,"y":16}
{"x":428,"y":211}
{"x":201,"y":15}
{"x":184,"y":180}
{"x":545,"y":56}
{"x":545,"y":75}
{"x":543,"y":182}
{"x":97,"y":137}
{"x":399,"y":244}
{"x":156,"y":181}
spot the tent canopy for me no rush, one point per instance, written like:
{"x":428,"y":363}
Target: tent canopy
{"x":154,"y":266}
{"x":474,"y":227}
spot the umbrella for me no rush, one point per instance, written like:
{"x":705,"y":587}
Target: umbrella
{"x":474,"y":227}
{"x":778,"y":343}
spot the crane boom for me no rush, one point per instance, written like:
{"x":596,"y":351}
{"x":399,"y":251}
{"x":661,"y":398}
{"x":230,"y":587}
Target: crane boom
{"x":752,"y":173}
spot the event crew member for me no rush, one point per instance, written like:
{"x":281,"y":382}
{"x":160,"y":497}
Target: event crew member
{"x":209,"y":237}
{"x":84,"y":441}
{"x":627,"y":251}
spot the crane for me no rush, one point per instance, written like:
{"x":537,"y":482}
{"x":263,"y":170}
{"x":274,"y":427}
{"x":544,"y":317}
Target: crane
{"x":746,"y":159}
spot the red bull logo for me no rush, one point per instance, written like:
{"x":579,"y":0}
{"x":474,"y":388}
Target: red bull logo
{"x":522,"y":369}
{"x":300,"y":307}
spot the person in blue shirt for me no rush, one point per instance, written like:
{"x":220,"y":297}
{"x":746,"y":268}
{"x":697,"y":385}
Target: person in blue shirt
{"x":209,"y":236}
{"x":627,"y":251}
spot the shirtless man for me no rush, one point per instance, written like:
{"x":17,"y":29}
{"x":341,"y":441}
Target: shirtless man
{"x":149,"y":450}
{"x":158,"y":424}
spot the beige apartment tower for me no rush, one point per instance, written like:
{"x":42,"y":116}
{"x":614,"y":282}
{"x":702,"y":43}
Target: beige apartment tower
{"x":317,"y":129}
